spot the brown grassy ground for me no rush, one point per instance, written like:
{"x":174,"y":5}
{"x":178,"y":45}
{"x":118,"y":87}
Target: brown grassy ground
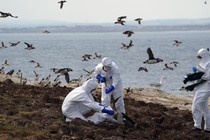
{"x":34,"y":113}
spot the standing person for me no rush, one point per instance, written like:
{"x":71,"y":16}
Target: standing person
{"x":80,"y":101}
{"x":108,"y":74}
{"x":202,"y":92}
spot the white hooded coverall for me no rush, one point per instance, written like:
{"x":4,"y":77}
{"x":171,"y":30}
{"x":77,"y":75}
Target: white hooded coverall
{"x":202,"y":92}
{"x":80,"y":101}
{"x":112,"y":75}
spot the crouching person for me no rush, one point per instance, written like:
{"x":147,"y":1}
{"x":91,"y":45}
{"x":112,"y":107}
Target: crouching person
{"x":80,"y":101}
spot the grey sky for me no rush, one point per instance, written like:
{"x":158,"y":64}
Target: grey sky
{"x":105,"y":10}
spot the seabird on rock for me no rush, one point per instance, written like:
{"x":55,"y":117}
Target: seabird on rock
{"x":4,"y":15}
{"x":61,"y":3}
{"x":152,"y":59}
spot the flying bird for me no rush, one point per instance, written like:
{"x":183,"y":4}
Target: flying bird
{"x":121,"y":17}
{"x":138,"y":20}
{"x":167,"y":67}
{"x":64,"y":71}
{"x":143,"y":69}
{"x":29,"y":46}
{"x":120,"y":20}
{"x":177,"y":43}
{"x":61,"y":3}
{"x":128,"y":33}
{"x":4,"y":15}
{"x":126,"y":47}
{"x":14,"y":44}
{"x":152,"y":59}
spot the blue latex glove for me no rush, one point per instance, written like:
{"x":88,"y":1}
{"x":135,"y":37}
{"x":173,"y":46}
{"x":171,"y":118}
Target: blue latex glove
{"x":100,"y":78}
{"x":194,"y":69}
{"x":108,"y":111}
{"x":110,"y":89}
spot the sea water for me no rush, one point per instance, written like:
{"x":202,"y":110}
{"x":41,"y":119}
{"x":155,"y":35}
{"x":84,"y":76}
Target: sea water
{"x":60,"y":50}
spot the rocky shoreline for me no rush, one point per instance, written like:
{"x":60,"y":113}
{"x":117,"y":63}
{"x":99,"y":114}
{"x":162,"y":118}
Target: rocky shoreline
{"x":30,"y":112}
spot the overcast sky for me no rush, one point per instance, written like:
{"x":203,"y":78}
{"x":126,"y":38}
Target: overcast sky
{"x":91,"y":11}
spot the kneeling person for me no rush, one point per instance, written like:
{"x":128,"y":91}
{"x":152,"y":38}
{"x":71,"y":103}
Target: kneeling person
{"x":80,"y":101}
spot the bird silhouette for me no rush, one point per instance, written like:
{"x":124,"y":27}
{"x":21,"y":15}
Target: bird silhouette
{"x":64,"y":71}
{"x":29,"y":46}
{"x":122,"y":22}
{"x":138,"y":20}
{"x":143,"y":69}
{"x":152,"y":59}
{"x":121,"y":17}
{"x":4,"y":15}
{"x":177,"y":43}
{"x":127,"y":47}
{"x":14,"y":44}
{"x":167,"y":67}
{"x":61,"y":3}
{"x":128,"y":33}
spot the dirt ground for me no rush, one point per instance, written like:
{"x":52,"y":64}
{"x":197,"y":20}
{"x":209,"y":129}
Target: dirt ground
{"x":34,"y":113}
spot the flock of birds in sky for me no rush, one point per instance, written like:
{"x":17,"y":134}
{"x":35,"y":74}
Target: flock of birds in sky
{"x":86,"y":57}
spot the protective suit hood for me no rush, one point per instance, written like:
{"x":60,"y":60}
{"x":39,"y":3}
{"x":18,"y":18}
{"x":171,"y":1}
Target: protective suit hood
{"x":106,"y":61}
{"x":204,"y":56}
{"x":89,"y":85}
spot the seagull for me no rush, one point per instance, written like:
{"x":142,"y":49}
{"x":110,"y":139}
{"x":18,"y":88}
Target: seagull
{"x":143,"y":69}
{"x":14,"y":44}
{"x":64,"y":71}
{"x":128,"y":33}
{"x":29,"y":46}
{"x":158,"y":85}
{"x":152,"y":59}
{"x":4,"y":15}
{"x":61,"y":3}
{"x":139,"y":20}
{"x":167,"y":67}
{"x":177,"y":43}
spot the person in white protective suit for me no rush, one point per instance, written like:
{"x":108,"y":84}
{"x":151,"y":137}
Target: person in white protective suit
{"x":108,"y":74}
{"x":202,"y":93}
{"x":80,"y":101}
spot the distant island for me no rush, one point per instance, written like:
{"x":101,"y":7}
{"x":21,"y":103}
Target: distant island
{"x":65,"y":27}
